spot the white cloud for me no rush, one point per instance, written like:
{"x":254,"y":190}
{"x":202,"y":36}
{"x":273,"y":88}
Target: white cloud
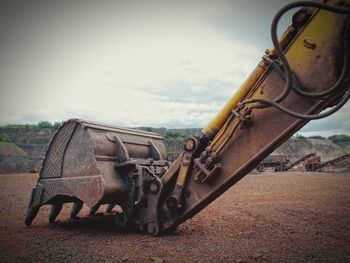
{"x":338,"y":123}
{"x":149,"y":63}
{"x":147,"y":68}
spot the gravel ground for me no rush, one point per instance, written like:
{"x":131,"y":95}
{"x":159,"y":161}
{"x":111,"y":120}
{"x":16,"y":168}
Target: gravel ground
{"x":274,"y":217}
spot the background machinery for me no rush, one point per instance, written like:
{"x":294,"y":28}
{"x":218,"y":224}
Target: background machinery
{"x":280,"y":163}
{"x":314,"y":163}
{"x":275,"y":162}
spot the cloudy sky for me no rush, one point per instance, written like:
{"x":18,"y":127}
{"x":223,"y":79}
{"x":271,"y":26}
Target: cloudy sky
{"x":132,"y":63}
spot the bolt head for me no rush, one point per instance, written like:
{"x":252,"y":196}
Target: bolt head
{"x":190,"y":144}
{"x":152,"y":228}
{"x":171,"y":203}
{"x":153,"y":187}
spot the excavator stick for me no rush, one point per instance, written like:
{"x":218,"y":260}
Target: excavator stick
{"x":93,"y":164}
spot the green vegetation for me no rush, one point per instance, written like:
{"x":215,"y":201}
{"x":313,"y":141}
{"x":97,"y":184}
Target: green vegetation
{"x":40,"y":125}
{"x":20,"y":126}
{"x":44,"y":124}
{"x":4,"y":137}
{"x":339,"y":138}
{"x":298,"y":136}
{"x":317,"y":137}
{"x":175,"y":134}
{"x":57,"y":124}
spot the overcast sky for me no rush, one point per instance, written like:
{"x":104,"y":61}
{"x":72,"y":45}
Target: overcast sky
{"x":132,"y":63}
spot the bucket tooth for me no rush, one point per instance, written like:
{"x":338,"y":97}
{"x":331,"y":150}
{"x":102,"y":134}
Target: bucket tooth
{"x":94,"y":209}
{"x":77,"y":206}
{"x":109,"y":208}
{"x":34,"y":204}
{"x":55,"y":210}
{"x":31,"y":214}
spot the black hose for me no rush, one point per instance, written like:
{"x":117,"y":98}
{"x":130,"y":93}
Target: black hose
{"x":279,"y":50}
{"x":337,"y":107}
{"x":342,"y":81}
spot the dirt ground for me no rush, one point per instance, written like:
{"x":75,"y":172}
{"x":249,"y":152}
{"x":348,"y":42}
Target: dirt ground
{"x":270,"y":217}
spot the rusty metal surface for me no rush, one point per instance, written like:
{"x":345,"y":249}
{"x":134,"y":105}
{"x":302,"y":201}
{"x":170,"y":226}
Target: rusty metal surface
{"x":81,"y":166}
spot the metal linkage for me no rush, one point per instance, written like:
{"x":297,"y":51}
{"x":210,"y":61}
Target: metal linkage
{"x":174,"y":201}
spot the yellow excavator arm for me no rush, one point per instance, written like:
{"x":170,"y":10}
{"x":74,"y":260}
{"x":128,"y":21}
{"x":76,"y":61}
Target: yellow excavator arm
{"x":305,"y":76}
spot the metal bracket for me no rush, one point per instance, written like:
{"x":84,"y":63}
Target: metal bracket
{"x":155,"y":153}
{"x":145,"y":213}
{"x":121,"y":151}
{"x":204,"y":171}
{"x":128,"y":205}
{"x":174,"y":201}
{"x":245,"y":118}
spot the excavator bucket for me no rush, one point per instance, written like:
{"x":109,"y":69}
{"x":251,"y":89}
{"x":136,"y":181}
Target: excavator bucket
{"x":93,"y":164}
